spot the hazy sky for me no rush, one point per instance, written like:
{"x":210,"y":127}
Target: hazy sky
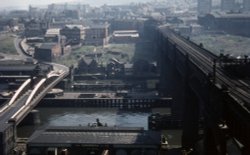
{"x":24,"y":3}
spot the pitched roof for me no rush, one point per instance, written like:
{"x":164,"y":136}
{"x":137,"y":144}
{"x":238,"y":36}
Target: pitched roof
{"x":87,"y":61}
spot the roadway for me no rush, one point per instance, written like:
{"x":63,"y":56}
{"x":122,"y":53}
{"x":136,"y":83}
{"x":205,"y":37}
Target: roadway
{"x":29,"y":98}
{"x":25,"y":99}
{"x":17,"y":41}
{"x":17,"y":110}
{"x":11,"y":110}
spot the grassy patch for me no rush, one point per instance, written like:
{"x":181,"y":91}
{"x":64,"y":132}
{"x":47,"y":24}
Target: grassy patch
{"x":121,"y":52}
{"x":70,"y":59}
{"x":7,"y":46}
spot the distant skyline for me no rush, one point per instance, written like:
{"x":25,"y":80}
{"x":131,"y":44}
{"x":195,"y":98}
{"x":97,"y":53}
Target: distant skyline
{"x":23,"y":4}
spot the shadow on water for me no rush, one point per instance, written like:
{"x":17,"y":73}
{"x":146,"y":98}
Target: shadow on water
{"x":85,"y":116}
{"x":111,"y":116}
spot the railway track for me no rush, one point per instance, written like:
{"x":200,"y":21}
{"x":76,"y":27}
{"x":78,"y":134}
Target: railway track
{"x":206,"y":61}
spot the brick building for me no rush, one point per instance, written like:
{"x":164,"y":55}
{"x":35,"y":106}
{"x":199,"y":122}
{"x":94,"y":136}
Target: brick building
{"x":237,"y":24}
{"x":35,"y":28}
{"x":73,"y":33}
{"x":97,"y":35}
{"x":88,"y":65}
{"x":128,"y":24}
{"x":47,"y":51}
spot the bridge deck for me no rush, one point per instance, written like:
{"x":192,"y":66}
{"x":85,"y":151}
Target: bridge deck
{"x":208,"y":63}
{"x":5,"y":116}
{"x":225,"y":98}
{"x":24,"y":103}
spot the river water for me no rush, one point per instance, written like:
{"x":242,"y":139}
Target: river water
{"x":84,"y":116}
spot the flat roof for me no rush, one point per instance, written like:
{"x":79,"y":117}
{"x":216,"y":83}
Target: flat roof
{"x":53,"y":31}
{"x":230,"y":15}
{"x":126,"y":31}
{"x":132,"y":35}
{"x":17,"y":68}
{"x":12,"y":62}
{"x":47,"y":45}
{"x":98,"y":26}
{"x":74,"y":26}
{"x":94,"y":135}
{"x":67,"y":95}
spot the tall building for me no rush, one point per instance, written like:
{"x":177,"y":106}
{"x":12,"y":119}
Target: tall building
{"x":97,"y":34}
{"x":73,"y":33}
{"x":47,"y":51}
{"x":246,"y":5}
{"x":227,"y":5}
{"x":204,"y":7}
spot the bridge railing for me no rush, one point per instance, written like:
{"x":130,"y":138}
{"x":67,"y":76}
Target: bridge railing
{"x":37,"y":94}
{"x":198,"y":63}
{"x":35,"y":91}
{"x":22,"y":112}
{"x":22,"y":89}
{"x":40,"y":89}
{"x":43,"y":89}
{"x":31,"y":97}
{"x":44,"y":83}
{"x":195,"y":45}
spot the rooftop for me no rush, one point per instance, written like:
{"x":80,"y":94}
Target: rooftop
{"x":230,"y":15}
{"x":17,"y":68}
{"x":94,"y":135}
{"x":98,"y":26}
{"x":14,"y":62}
{"x":47,"y":45}
{"x":87,"y":60}
{"x":75,"y":26}
{"x":54,"y":31}
{"x":67,"y":95}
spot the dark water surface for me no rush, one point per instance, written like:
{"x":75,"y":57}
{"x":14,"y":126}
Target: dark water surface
{"x":84,"y":116}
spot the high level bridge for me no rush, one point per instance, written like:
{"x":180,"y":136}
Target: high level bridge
{"x":209,"y":94}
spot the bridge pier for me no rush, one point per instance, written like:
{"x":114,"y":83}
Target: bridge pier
{"x":171,"y":83}
{"x":214,"y":142}
{"x":209,"y":144}
{"x":215,"y":130}
{"x":190,"y":121}
{"x":191,"y":111}
{"x":223,"y":102}
{"x":245,"y":151}
{"x":33,"y":118}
